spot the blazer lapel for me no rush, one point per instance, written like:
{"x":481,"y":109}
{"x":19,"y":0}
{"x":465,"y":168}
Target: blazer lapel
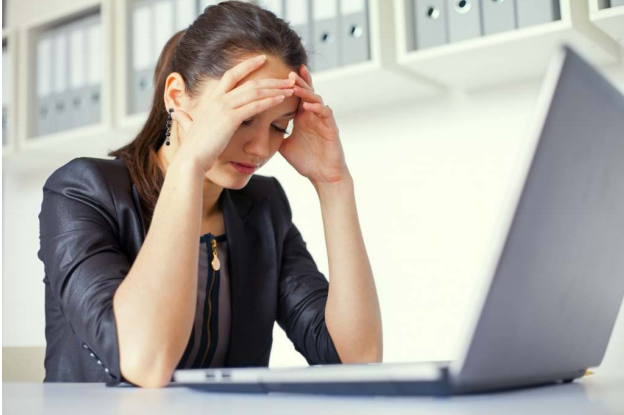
{"x":252,"y":270}
{"x":137,"y":203}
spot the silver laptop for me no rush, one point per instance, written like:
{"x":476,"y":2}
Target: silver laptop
{"x":558,"y":280}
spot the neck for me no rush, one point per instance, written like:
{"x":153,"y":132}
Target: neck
{"x":212,"y":191}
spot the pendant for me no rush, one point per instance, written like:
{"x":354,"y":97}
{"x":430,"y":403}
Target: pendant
{"x":216,"y":264}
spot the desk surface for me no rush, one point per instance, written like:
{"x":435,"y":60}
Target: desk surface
{"x":593,"y":394}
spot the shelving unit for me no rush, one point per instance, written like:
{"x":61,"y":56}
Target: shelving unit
{"x":9,"y":38}
{"x":609,"y":20}
{"x":126,"y":120}
{"x":353,"y":87}
{"x":393,"y":74}
{"x":505,"y":57}
{"x":380,"y":81}
{"x":69,"y":141}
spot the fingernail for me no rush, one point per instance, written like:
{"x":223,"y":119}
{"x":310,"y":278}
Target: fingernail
{"x":260,"y":58}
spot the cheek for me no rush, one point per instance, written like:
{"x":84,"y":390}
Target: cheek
{"x":276,"y":143}
{"x":230,"y":150}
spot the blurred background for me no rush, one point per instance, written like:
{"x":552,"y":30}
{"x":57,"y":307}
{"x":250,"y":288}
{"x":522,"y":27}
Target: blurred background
{"x":434,"y":99}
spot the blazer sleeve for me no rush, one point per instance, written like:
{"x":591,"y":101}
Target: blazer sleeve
{"x":82,"y":257}
{"x":303,"y":291}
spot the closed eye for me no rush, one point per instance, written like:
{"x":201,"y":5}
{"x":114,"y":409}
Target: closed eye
{"x":281,"y":130}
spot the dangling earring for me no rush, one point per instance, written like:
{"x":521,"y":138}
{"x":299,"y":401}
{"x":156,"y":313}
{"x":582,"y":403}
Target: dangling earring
{"x":168,"y":133}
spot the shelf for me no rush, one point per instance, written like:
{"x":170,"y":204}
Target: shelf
{"x":393,"y":74}
{"x":9,"y":37}
{"x":380,"y":81}
{"x":348,"y":88}
{"x":609,"y":20}
{"x":67,"y":140}
{"x":516,"y":55}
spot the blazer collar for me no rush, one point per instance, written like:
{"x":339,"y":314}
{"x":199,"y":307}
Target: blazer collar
{"x":251,"y":259}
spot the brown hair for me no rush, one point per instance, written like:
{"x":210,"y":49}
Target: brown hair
{"x":211,"y":45}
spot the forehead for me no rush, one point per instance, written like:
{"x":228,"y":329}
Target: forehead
{"x":273,"y":68}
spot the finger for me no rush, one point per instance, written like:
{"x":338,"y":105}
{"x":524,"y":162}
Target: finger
{"x":263,"y":83}
{"x":300,"y":81}
{"x":307,"y":76}
{"x":246,"y":97}
{"x":307,"y":94}
{"x":256,"y":107}
{"x":183,"y":119}
{"x":239,"y":91}
{"x":319,"y":109}
{"x":234,"y":75}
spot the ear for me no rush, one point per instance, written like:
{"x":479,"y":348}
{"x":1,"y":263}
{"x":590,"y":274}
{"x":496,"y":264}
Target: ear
{"x":175,"y":93}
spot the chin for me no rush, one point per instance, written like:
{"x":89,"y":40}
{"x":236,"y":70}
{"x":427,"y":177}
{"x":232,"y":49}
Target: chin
{"x":228,"y":180}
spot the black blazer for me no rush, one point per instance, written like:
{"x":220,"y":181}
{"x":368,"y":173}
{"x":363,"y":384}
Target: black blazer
{"x":91,"y":230}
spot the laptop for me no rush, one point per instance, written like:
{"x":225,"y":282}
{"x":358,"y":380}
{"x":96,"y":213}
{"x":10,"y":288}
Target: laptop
{"x":557,"y":281}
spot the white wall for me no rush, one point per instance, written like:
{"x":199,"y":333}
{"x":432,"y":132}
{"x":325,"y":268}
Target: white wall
{"x":431,"y":179}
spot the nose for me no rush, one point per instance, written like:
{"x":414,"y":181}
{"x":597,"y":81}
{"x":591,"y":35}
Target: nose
{"x":258,"y":145}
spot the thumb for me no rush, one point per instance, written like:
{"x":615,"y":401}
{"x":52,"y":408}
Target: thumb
{"x":182,"y":118}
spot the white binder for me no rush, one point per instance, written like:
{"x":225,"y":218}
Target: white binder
{"x":95,"y":63}
{"x":60,"y":88}
{"x":429,"y":23}
{"x":142,"y":56}
{"x":464,"y":19}
{"x":163,"y":19}
{"x":354,"y":31}
{"x":326,"y":31}
{"x":534,"y":12}
{"x":185,"y":13}
{"x":275,"y":6}
{"x":297,"y":13}
{"x":205,"y":3}
{"x":77,"y":73}
{"x":498,"y":16}
{"x":6,"y":93}
{"x":44,"y":119}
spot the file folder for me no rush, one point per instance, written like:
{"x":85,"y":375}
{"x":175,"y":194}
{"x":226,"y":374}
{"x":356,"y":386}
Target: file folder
{"x":163,"y":19}
{"x":297,"y":13}
{"x":78,"y":89}
{"x":355,"y":31}
{"x":534,"y":12}
{"x":60,"y":85}
{"x":429,"y":23}
{"x":205,"y":3}
{"x":275,"y":6}
{"x":45,"y":121}
{"x":142,"y":56}
{"x":185,"y":13}
{"x":498,"y":16}
{"x":95,"y":64}
{"x":464,"y":19}
{"x":326,"y":31}
{"x":6,"y":93}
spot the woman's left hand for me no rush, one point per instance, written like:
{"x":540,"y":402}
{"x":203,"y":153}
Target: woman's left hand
{"x":313,"y":148}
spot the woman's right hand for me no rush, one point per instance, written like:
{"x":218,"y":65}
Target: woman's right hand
{"x":224,"y":109}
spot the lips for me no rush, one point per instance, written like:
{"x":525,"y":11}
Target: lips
{"x":245,"y":164}
{"x":242,"y":168}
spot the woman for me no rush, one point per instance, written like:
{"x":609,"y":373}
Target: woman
{"x":125,"y":304}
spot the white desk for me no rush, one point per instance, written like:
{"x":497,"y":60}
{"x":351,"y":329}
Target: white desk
{"x":594,"y":394}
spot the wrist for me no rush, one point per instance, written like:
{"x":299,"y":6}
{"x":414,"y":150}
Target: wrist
{"x":187,"y":166}
{"x":330,"y":189}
